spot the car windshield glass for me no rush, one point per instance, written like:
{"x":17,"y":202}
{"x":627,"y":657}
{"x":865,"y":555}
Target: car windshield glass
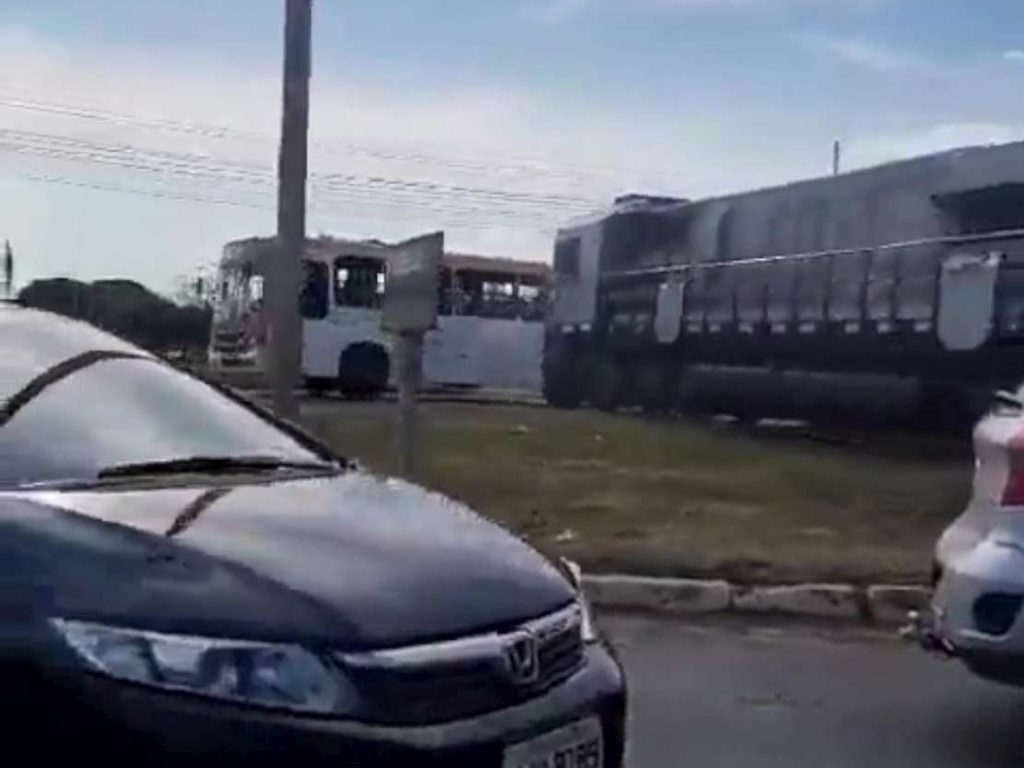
{"x":127,"y":412}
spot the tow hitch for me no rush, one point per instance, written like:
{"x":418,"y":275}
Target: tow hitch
{"x":921,"y":631}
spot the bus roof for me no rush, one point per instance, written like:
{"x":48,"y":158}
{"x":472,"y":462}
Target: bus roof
{"x":459,"y":262}
{"x":256,"y":250}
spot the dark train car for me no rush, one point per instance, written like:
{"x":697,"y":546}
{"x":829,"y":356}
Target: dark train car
{"x":887,"y":293}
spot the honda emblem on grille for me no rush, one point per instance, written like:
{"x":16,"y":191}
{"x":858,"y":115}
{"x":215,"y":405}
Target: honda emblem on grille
{"x":521,"y":658}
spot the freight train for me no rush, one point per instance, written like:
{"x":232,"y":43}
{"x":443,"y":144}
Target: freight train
{"x":886,"y":293}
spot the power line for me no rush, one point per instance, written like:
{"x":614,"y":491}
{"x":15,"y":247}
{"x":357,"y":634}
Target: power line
{"x":507,"y":163}
{"x":461,"y":206}
{"x":357,"y":195}
{"x":317,"y":205}
{"x":157,"y":194}
{"x":198,"y":166}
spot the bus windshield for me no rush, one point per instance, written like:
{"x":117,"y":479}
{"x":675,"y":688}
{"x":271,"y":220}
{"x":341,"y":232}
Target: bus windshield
{"x":240,"y":289}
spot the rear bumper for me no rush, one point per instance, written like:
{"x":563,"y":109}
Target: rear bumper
{"x":997,"y":666}
{"x":112,"y":718}
{"x":976,"y":611}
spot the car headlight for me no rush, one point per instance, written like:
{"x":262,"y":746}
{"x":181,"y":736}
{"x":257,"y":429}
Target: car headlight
{"x":588,"y":629}
{"x":260,"y":674}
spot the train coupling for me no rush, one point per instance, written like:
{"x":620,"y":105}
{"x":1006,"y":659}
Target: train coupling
{"x":922,"y":632}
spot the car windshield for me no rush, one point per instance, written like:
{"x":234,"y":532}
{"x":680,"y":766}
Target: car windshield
{"x":128,"y":412}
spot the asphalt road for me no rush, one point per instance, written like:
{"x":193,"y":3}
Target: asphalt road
{"x":730,"y":695}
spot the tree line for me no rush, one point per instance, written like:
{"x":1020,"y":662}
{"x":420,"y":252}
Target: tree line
{"x":127,"y":309}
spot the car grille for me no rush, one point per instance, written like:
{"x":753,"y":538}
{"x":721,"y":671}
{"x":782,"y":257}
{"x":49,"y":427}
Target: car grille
{"x":466,"y":677}
{"x":230,"y":342}
{"x":230,"y":337}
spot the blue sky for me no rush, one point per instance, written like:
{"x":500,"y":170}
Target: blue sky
{"x":138,"y":136}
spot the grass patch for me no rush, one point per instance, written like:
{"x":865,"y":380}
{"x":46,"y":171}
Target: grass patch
{"x":624,"y":493}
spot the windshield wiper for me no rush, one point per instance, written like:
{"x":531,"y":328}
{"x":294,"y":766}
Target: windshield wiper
{"x":210,"y":465}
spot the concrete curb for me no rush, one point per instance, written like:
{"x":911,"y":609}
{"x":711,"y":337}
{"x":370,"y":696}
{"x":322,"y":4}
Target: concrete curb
{"x":823,"y":601}
{"x":680,"y":596}
{"x":877,"y":604}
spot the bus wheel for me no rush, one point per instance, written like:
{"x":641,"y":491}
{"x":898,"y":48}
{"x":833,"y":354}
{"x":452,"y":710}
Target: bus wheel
{"x":317,"y":386}
{"x":363,"y":371}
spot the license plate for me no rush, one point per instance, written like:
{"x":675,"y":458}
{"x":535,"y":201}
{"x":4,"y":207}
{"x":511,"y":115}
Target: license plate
{"x":576,"y":746}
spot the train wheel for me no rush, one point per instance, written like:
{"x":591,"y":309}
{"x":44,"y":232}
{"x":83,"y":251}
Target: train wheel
{"x":562,"y":394}
{"x":687,"y":394}
{"x":561,"y":387}
{"x":949,"y":408}
{"x":654,"y":387}
{"x":606,"y":384}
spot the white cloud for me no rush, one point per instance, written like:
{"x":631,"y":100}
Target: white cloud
{"x":1016,"y":56}
{"x":555,"y":11}
{"x":845,"y":5}
{"x":870,"y":56}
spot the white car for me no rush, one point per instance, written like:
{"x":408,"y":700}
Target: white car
{"x":979,"y":570}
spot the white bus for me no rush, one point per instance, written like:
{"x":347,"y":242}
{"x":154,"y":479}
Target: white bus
{"x":490,"y":329}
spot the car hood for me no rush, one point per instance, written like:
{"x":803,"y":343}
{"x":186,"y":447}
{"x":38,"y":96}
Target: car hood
{"x":353,"y":559}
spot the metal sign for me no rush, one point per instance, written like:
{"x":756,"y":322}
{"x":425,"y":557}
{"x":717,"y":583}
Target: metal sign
{"x":410,"y":298}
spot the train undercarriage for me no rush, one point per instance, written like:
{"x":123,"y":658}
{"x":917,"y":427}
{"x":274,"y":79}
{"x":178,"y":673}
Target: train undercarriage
{"x":579,"y":372}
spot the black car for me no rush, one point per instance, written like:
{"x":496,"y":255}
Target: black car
{"x":182,"y":575}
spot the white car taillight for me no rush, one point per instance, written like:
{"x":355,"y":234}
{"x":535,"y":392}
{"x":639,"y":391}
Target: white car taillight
{"x":1013,"y":489}
{"x":999,"y":460}
{"x":998,"y":450}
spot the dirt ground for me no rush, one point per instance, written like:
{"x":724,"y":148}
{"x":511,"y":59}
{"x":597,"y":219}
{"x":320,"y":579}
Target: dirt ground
{"x":626,"y":493}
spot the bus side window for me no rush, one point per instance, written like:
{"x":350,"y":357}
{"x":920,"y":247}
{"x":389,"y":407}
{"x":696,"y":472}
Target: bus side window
{"x":531,"y":302}
{"x":484,"y":295}
{"x":496,"y":295}
{"x":444,"y":291}
{"x":358,"y":282}
{"x":313,"y":302}
{"x":498,"y":298}
{"x":464,"y":292}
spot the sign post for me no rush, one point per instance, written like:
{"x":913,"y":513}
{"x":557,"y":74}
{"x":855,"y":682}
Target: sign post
{"x":409,"y":311}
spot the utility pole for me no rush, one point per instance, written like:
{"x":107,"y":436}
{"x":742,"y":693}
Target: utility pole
{"x":284,"y":282}
{"x":836,"y":154}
